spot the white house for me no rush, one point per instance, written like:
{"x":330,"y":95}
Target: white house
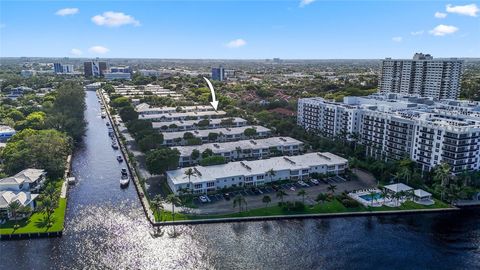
{"x":26,"y":180}
{"x":24,"y":198}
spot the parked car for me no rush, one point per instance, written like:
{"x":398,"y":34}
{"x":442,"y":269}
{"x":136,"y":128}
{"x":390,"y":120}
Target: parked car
{"x":204,"y":199}
{"x":315,"y":181}
{"x":292,"y":188}
{"x":303,"y":184}
{"x":226,"y":196}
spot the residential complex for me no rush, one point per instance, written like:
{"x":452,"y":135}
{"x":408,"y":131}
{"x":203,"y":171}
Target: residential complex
{"x":198,"y":124}
{"x":245,"y":149}
{"x":147,"y":109}
{"x":218,"y":74}
{"x":423,"y":76}
{"x":166,"y":117}
{"x":59,"y":68}
{"x":223,"y":135}
{"x":94,"y":68}
{"x":145,"y":90}
{"x":394,"y":126}
{"x":118,"y":73}
{"x":255,"y":173}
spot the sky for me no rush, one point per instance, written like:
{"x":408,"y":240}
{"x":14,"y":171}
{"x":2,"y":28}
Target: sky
{"x":288,"y":29}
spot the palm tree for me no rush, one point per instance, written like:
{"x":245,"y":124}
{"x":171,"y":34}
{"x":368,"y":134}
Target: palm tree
{"x":332,"y":189}
{"x":240,"y":201}
{"x":302,"y":193}
{"x":384,"y":194}
{"x":47,"y":207}
{"x":189,"y":173}
{"x":173,"y":199}
{"x":14,"y":208}
{"x":321,"y":197}
{"x":157,"y":204}
{"x":373,"y":197}
{"x":281,"y":194}
{"x":442,"y":174}
{"x":271,"y":173}
{"x":266,"y":199}
{"x":51,"y":192}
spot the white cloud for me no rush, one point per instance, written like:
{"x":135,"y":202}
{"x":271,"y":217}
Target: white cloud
{"x":75,"y":52}
{"x":306,"y":2}
{"x":440,"y":15}
{"x":417,"y":33}
{"x":397,"y":39}
{"x":98,"y":50}
{"x":236,"y":43}
{"x":114,"y":19}
{"x":467,"y":10}
{"x":67,"y":11}
{"x":442,"y":30}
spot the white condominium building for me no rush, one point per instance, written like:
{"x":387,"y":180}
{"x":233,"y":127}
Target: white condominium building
{"x":422,"y":75}
{"x":197,"y":124}
{"x":245,"y":149}
{"x":177,"y":116}
{"x":255,"y":173}
{"x":394,"y":126}
{"x":222,"y":135}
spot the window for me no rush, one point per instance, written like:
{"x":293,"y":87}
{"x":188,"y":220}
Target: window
{"x":197,"y":186}
{"x":259,"y":177}
{"x":210,"y":184}
{"x":249,"y":178}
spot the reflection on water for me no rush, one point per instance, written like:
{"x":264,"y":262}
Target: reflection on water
{"x":106,"y":229}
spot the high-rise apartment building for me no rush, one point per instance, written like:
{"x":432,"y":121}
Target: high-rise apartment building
{"x":59,"y":68}
{"x":94,"y":68}
{"x":218,"y":74}
{"x":422,"y":75}
{"x":395,"y":126}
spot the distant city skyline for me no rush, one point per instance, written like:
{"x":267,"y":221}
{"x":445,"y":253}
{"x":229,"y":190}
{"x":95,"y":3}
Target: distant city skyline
{"x":306,"y":29}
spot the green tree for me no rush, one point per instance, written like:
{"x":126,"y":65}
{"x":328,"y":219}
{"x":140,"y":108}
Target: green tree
{"x":151,"y":141}
{"x":189,"y":173}
{"x":42,"y":149}
{"x":331,"y":188}
{"x":212,"y":136}
{"x":213,"y":160}
{"x":173,"y":200}
{"x":35,"y":120}
{"x":195,"y":154}
{"x":321,"y":197}
{"x":250,"y":132}
{"x":128,"y":113}
{"x":120,"y":102}
{"x":302,"y":193}
{"x":266,"y":200}
{"x":281,"y":194}
{"x":203,"y":123}
{"x":207,"y":153}
{"x":157,"y":204}
{"x":47,"y":207}
{"x":14,"y":208}
{"x":442,"y":176}
{"x":188,"y":135}
{"x":271,"y":173}
{"x":160,"y":160}
{"x":239,"y":201}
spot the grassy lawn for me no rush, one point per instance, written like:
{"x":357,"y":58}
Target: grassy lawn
{"x":34,"y":223}
{"x":323,"y":208}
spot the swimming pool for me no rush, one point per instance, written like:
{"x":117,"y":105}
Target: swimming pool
{"x":368,"y":197}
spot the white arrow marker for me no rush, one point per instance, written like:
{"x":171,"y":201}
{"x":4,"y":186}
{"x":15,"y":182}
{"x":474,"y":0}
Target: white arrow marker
{"x":214,"y":100}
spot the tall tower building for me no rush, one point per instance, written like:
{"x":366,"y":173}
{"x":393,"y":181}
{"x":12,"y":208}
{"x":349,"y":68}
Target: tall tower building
{"x":94,"y":68}
{"x":218,"y":74}
{"x":423,"y":76}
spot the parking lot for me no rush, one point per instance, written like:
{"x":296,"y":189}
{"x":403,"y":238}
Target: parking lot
{"x":221,"y":203}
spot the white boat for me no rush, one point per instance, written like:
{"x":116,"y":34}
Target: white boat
{"x":104,"y":115}
{"x":124,"y":181}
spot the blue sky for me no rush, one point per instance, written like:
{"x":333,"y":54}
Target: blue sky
{"x":240,"y":29}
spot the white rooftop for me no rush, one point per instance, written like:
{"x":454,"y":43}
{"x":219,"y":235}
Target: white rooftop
{"x":143,"y":108}
{"x":24,"y":198}
{"x":255,"y":167}
{"x":421,"y":193}
{"x":180,"y":115}
{"x":27,"y":175}
{"x":244,"y":144}
{"x":181,"y":123}
{"x":205,"y":132}
{"x":398,"y":187}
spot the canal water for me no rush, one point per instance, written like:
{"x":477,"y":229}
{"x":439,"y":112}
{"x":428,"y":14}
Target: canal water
{"x":106,"y":229}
